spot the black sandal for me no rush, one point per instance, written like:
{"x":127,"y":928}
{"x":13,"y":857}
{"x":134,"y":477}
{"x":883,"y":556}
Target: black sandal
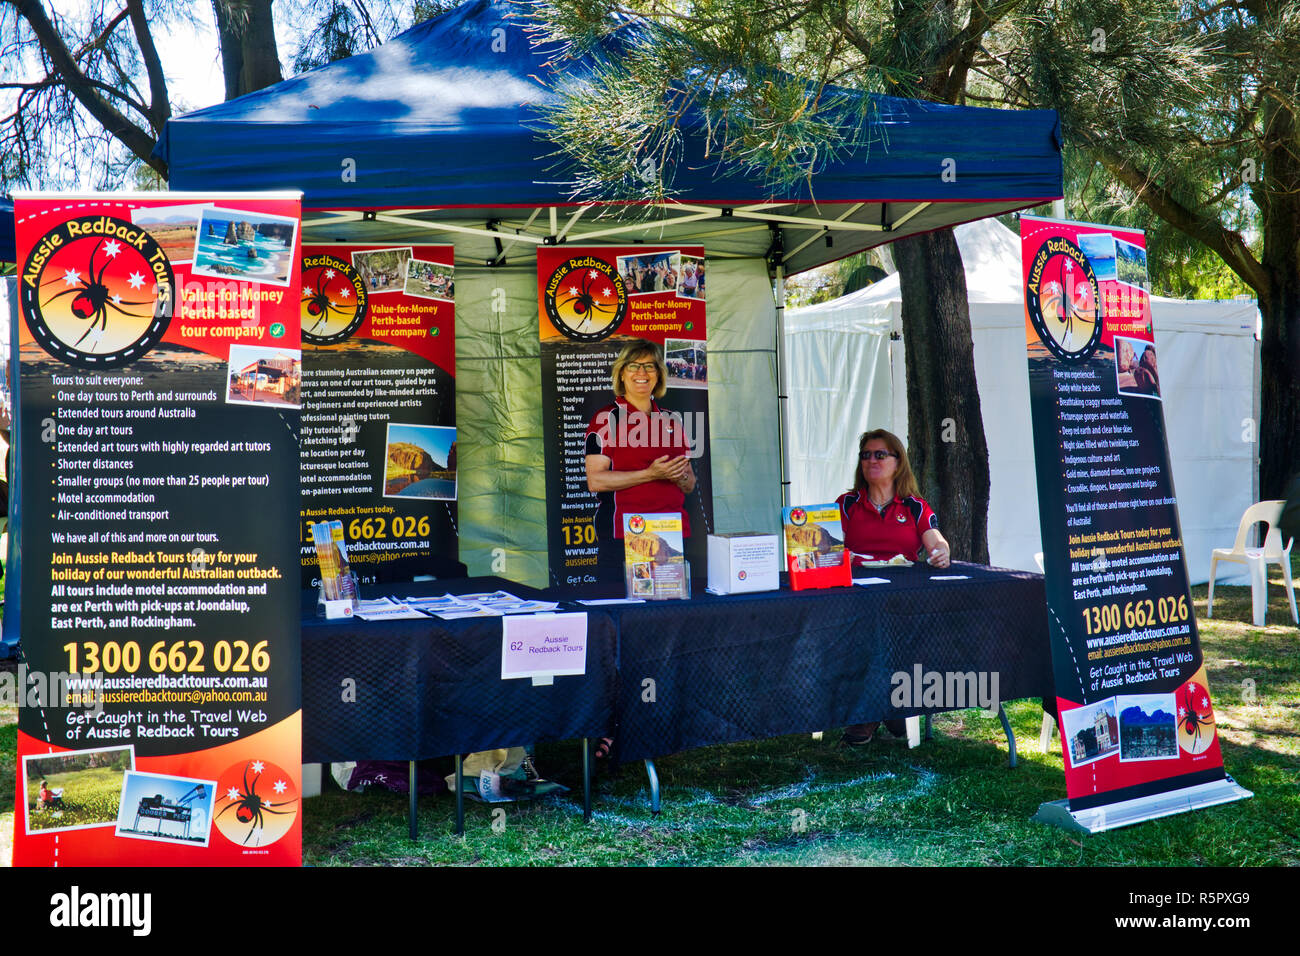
{"x":604,"y":748}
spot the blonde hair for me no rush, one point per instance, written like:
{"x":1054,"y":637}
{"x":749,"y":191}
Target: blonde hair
{"x":904,"y":481}
{"x":631,"y":352}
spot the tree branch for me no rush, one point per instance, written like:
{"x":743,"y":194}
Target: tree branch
{"x":82,"y":87}
{"x":160,"y":109}
{"x":1228,"y":244}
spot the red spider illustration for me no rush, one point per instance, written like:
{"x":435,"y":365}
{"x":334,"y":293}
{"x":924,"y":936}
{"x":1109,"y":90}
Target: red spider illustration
{"x":319,"y":304}
{"x":249,"y":807}
{"x":584,"y":303}
{"x":93,"y":300}
{"x":1191,"y":719}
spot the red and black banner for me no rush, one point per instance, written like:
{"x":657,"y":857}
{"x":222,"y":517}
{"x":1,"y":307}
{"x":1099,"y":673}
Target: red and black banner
{"x":159,"y":392}
{"x":592,"y":303}
{"x":379,"y":407}
{"x":1135,"y":711}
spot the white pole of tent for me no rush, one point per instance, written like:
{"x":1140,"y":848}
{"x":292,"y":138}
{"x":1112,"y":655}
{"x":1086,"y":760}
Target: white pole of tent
{"x":782,"y":399}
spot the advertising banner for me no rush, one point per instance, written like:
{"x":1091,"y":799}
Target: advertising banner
{"x":159,"y":389}
{"x":379,"y":407}
{"x":1135,"y":713}
{"x":592,"y":303}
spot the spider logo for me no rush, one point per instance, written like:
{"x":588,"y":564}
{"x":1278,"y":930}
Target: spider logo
{"x":1063,"y":300}
{"x":333,"y":300}
{"x":585,"y":299}
{"x":257,"y":820}
{"x":1195,"y":718}
{"x":97,"y":292}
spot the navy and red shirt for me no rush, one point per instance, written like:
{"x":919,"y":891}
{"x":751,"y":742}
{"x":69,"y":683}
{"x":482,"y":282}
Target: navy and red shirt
{"x":632,"y":440}
{"x":896,"y":530}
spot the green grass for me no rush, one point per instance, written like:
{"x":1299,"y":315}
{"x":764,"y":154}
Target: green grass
{"x":797,"y":801}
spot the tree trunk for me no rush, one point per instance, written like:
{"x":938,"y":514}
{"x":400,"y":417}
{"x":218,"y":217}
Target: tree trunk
{"x":1279,"y":304}
{"x":246,"y":32}
{"x":945,"y":431}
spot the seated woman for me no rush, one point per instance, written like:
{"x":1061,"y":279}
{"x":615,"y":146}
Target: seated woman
{"x":883,"y":516}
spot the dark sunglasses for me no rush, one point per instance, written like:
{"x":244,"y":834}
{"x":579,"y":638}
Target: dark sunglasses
{"x":879,"y":454}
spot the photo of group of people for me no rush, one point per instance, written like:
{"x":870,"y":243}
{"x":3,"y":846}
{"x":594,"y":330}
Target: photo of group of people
{"x":687,"y":361}
{"x":1135,"y":368}
{"x":674,"y":272}
{"x":430,"y":280}
{"x":383,"y":270}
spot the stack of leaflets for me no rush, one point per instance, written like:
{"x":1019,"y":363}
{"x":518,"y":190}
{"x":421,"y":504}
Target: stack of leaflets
{"x":814,"y":546}
{"x":654,"y":562}
{"x":384,"y":609}
{"x":336,"y":581}
{"x":450,"y":607}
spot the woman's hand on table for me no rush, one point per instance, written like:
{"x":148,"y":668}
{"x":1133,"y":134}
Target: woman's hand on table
{"x":938,"y":554}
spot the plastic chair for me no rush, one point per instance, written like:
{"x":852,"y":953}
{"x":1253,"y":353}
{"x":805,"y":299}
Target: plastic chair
{"x":1257,"y":560}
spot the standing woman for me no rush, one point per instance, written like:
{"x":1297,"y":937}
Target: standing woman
{"x":883,"y":516}
{"x":637,"y":455}
{"x":637,"y":461}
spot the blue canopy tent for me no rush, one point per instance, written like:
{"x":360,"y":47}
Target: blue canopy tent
{"x":432,"y":137}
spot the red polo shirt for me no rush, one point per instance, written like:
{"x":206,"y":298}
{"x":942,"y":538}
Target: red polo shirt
{"x":632,"y":440}
{"x":897,"y":530}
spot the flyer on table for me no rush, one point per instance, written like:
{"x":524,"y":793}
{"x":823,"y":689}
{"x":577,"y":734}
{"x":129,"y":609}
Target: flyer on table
{"x":160,"y":380}
{"x":379,"y":406}
{"x":592,"y":302}
{"x":1135,"y":712}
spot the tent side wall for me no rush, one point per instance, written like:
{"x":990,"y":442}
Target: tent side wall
{"x":502,"y":480}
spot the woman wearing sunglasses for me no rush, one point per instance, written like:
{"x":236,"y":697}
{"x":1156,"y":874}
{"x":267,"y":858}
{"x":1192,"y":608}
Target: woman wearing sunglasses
{"x":883,"y":515}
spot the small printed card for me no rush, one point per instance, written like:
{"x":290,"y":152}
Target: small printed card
{"x":544,"y":645}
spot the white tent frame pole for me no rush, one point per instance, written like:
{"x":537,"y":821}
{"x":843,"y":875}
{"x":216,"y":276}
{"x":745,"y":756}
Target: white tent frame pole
{"x":744,"y":213}
{"x":782,"y":399}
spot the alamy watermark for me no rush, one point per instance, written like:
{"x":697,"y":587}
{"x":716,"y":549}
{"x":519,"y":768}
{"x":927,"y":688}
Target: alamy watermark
{"x":949,"y":690}
{"x":28,"y":688}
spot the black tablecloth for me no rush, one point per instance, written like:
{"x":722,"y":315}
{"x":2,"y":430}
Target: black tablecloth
{"x":678,"y":674}
{"x":721,"y":669}
{"x":429,"y":688}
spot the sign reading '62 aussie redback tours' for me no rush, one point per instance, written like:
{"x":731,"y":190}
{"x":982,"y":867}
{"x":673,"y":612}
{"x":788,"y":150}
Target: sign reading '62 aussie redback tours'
{"x":158,"y":408}
{"x":1136,"y":717}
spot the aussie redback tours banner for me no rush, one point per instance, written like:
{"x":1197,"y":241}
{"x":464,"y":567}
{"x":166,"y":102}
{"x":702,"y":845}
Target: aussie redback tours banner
{"x":379,"y":407}
{"x":591,"y":304}
{"x":160,"y":380}
{"x":1135,"y":712}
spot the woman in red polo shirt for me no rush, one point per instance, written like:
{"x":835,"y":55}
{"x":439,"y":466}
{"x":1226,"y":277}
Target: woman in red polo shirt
{"x":883,"y":516}
{"x":637,"y":454}
{"x":637,"y":460}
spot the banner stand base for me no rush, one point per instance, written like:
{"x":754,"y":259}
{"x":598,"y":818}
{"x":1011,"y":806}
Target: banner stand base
{"x":1125,"y":813}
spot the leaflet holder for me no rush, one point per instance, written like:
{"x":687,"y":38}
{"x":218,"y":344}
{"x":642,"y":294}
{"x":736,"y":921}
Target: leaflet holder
{"x":834,"y":576}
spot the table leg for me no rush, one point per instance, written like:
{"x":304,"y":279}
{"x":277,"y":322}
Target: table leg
{"x":412,"y":785}
{"x":929,"y":734}
{"x":654,"y":786}
{"x":586,"y":779}
{"x":1011,"y":737}
{"x":460,"y":797}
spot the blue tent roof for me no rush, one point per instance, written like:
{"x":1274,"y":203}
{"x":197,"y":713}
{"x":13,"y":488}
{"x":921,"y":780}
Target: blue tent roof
{"x":445,"y":116}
